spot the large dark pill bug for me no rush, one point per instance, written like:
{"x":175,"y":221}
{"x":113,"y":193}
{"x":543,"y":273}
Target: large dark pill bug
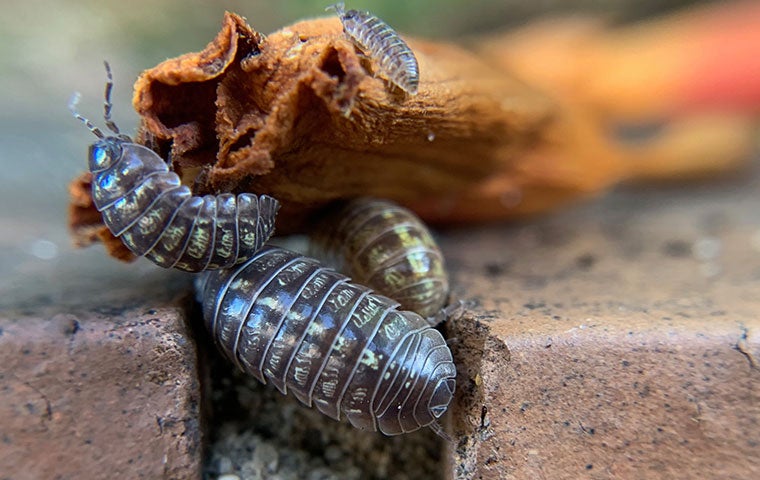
{"x":286,"y":319}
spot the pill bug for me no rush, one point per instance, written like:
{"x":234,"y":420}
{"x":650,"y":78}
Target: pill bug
{"x":381,"y":42}
{"x":146,"y":206}
{"x":388,"y":248}
{"x":289,"y":320}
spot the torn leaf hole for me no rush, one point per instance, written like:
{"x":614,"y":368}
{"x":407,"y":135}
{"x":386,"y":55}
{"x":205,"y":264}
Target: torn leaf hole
{"x":332,"y":66}
{"x":243,"y":141}
{"x":176,"y":105}
{"x":248,"y":46}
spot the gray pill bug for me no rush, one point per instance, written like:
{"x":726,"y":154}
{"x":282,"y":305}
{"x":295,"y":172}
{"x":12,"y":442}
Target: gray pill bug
{"x":382,"y":43}
{"x":146,"y":206}
{"x":387,"y":248}
{"x":287,"y":319}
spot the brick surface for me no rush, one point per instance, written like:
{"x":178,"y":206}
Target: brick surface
{"x":614,"y":340}
{"x":101,"y":384}
{"x":617,"y":340}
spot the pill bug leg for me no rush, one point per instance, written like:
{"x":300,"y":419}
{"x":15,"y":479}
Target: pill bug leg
{"x":438,"y":429}
{"x":449,"y":313}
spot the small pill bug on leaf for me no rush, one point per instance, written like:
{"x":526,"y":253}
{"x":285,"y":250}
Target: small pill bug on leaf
{"x":382,"y":43}
{"x":286,"y":319}
{"x":146,"y":206}
{"x":387,"y":248}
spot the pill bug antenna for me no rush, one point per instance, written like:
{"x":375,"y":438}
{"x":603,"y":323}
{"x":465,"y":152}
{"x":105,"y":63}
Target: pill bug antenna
{"x":73,"y":108}
{"x":339,"y":8}
{"x":108,"y":105}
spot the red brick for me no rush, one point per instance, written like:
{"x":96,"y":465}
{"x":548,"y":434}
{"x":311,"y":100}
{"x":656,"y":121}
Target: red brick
{"x":620,"y":340}
{"x":98,"y":394}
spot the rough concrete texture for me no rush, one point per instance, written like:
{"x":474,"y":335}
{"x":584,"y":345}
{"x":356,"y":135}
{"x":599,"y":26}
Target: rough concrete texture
{"x":619,"y":340}
{"x":98,"y":374}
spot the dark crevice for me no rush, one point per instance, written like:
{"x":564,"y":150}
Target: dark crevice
{"x":185,"y":103}
{"x":742,"y":347}
{"x":243,"y":141}
{"x":332,"y":66}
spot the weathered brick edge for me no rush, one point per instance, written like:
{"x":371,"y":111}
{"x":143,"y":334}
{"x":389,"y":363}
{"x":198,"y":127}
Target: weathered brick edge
{"x":606,"y":402}
{"x":100,"y":393}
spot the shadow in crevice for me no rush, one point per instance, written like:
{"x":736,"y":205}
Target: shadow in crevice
{"x":469,"y":417}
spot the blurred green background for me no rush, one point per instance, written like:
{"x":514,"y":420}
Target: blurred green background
{"x":50,"y":49}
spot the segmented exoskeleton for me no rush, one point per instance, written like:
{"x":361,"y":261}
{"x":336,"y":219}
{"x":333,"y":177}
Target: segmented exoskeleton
{"x":287,"y":319}
{"x":388,"y":248}
{"x":381,"y":42}
{"x":145,"y":204}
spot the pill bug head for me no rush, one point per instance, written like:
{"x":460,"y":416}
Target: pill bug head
{"x":339,"y":8}
{"x":107,"y":150}
{"x":349,"y":18}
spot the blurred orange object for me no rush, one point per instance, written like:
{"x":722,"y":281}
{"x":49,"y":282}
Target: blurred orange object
{"x":530,"y":121}
{"x":698,"y":60}
{"x":674,"y":98}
